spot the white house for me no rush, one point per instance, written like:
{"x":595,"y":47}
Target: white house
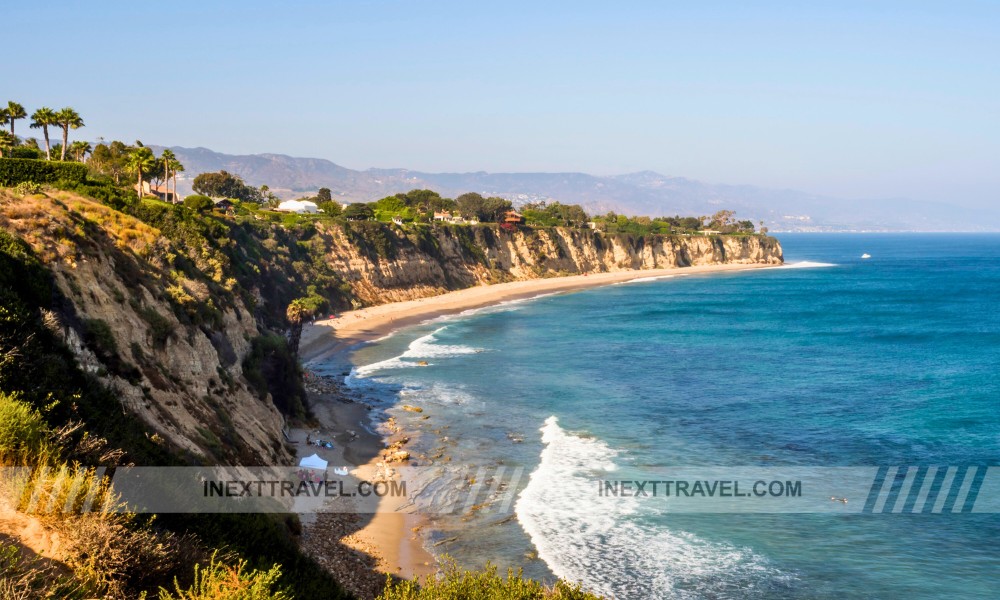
{"x":448,"y":217}
{"x":298,"y":206}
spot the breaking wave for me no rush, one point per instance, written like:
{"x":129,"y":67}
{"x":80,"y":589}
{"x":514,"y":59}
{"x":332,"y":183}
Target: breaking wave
{"x":606,"y":543}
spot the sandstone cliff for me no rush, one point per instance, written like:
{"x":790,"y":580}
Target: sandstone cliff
{"x":116,"y":310}
{"x":407,"y":264}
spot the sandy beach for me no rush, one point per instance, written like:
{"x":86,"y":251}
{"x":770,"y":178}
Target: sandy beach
{"x":388,"y":542}
{"x":327,"y":337}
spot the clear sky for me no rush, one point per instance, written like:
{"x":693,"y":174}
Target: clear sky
{"x":867,"y":99}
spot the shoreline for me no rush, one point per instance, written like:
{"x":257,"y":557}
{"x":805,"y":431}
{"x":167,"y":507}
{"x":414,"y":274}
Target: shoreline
{"x":391,"y":539}
{"x":367,"y":324}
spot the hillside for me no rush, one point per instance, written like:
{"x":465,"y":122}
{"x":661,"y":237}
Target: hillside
{"x":642,"y":193}
{"x":137,"y":332}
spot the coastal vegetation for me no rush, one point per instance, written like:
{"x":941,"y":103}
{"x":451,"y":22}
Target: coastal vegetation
{"x":426,"y":206}
{"x":106,"y":286}
{"x":455,"y":583}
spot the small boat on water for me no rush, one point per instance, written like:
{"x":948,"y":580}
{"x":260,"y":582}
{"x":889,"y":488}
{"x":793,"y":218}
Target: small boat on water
{"x":866,"y":255}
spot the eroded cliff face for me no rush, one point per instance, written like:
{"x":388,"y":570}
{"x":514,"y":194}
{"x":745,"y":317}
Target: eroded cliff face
{"x":119,"y":318}
{"x":447,"y":258}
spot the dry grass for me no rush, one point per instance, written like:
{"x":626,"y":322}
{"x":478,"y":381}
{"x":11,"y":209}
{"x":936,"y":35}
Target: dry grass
{"x":56,"y":224}
{"x":25,"y":575}
{"x":102,"y":553}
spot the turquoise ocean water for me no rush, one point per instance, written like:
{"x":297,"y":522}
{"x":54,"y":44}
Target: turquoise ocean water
{"x":830,"y":361}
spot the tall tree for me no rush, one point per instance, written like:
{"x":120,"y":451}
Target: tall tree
{"x":167,"y":156}
{"x":42,"y":118}
{"x":14,"y":112}
{"x":67,"y":118}
{"x":109,"y":159}
{"x":175,"y":167}
{"x":170,"y":168}
{"x":139,"y":161}
{"x":79,"y":150}
{"x":299,"y":311}
{"x":225,"y":185}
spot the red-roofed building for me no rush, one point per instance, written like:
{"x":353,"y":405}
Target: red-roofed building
{"x":513,"y":217}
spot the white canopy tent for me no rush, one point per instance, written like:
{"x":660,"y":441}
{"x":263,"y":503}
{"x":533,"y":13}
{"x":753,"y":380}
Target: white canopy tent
{"x":313,"y":462}
{"x":298,"y":206}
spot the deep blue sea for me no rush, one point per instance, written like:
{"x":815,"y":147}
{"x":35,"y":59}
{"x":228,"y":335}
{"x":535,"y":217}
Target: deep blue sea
{"x":833,"y":360}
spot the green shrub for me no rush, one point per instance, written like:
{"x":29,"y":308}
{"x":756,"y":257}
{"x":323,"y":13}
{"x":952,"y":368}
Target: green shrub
{"x":219,"y":581}
{"x":103,"y":191}
{"x":25,"y":152}
{"x":97,"y":334}
{"x":98,"y":337}
{"x":330,"y":209}
{"x":16,"y":170}
{"x":199,"y":203}
{"x":161,"y":328}
{"x":23,"y":433}
{"x":26,"y":188}
{"x":458,"y":584}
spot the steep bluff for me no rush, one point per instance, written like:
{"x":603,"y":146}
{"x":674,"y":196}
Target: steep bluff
{"x":386,"y":263}
{"x":120,"y":309}
{"x":168,"y":308}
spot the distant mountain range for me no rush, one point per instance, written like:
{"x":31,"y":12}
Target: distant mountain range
{"x":642,"y":193}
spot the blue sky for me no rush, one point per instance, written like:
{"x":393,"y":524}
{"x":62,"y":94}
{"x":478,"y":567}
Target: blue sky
{"x":870,"y":99}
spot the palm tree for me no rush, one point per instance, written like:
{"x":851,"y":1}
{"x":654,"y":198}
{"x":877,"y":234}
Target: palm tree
{"x":14,"y":112}
{"x":43,"y":117}
{"x":166,"y":157}
{"x":297,"y":312}
{"x":67,"y":118}
{"x":80,"y":149}
{"x":139,"y":161}
{"x":175,"y":166}
{"x":6,"y":141}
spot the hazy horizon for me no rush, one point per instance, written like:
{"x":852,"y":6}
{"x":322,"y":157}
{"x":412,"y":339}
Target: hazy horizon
{"x":857,"y":101}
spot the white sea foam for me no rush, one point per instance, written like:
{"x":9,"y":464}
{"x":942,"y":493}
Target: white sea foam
{"x":435,"y":393}
{"x":804,"y":264}
{"x":645,"y":279}
{"x":600,"y":542}
{"x":421,"y":349}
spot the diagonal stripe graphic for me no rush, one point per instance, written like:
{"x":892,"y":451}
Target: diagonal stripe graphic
{"x":977,"y":484}
{"x":945,"y":489}
{"x":904,"y":492}
{"x":925,"y":489}
{"x":963,"y":492}
{"x":883,"y":495}
{"x":873,"y":491}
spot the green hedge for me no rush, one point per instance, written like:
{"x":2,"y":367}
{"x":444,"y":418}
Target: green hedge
{"x":17,"y":170}
{"x":24,"y":152}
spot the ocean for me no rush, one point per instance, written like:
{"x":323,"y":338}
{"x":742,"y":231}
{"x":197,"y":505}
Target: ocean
{"x":830,"y":361}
